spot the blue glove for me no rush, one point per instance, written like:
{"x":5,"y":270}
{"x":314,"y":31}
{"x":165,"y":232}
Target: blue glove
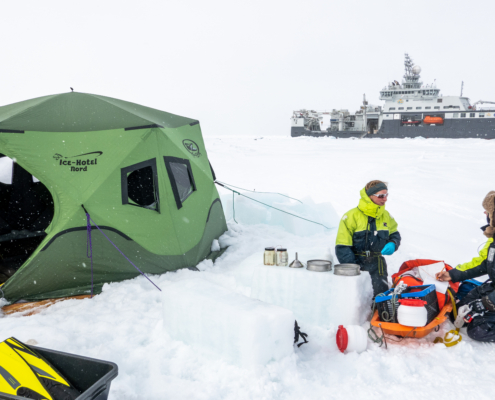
{"x":388,"y":249}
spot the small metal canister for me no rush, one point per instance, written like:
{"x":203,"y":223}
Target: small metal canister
{"x":282,"y":257}
{"x":269,"y":256}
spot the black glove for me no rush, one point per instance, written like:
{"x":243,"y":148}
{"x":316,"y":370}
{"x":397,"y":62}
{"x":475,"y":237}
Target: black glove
{"x":477,"y":307}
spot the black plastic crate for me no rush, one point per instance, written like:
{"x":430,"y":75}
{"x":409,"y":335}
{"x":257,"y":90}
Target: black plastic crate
{"x":90,"y":376}
{"x":386,"y":311}
{"x":427,"y":293}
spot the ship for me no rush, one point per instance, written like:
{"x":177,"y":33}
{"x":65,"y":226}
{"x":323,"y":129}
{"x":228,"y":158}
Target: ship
{"x":411,"y":109}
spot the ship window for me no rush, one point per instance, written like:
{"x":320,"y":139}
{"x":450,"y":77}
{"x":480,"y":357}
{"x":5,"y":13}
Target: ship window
{"x":482,"y":115}
{"x":463,"y":115}
{"x":418,"y":108}
{"x":427,"y":108}
{"x":444,"y":107}
{"x":436,"y":108}
{"x":439,"y":100}
{"x":456,"y":115}
{"x":472,"y":115}
{"x":409,"y":108}
{"x":392,"y":108}
{"x":457,"y":107}
{"x":401,"y":108}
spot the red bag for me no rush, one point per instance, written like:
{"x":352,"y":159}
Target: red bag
{"x":411,"y":280}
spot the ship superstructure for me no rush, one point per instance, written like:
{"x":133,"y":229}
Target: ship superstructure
{"x":411,"y":109}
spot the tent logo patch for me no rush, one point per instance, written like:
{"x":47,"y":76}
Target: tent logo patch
{"x":79,"y":162}
{"x":191,"y":147}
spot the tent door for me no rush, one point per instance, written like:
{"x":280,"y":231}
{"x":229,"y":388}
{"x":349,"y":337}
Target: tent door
{"x":26,"y":210}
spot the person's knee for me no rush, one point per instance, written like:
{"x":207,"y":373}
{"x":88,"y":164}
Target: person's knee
{"x":481,"y":331}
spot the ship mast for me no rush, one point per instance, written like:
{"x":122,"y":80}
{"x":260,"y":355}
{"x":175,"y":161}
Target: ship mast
{"x":408,"y":64}
{"x":411,"y":77}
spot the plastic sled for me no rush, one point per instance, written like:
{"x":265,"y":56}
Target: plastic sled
{"x":408,"y":331}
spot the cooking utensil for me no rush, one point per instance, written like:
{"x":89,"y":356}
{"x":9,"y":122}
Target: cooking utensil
{"x":319,"y":265}
{"x":347,"y":269}
{"x":296,"y":263}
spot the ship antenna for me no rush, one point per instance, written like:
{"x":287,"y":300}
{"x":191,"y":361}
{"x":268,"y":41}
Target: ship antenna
{"x":462,"y":87}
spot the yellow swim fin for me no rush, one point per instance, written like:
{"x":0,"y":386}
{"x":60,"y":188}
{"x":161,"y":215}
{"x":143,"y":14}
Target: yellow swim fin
{"x":16,"y":377}
{"x":25,"y":372}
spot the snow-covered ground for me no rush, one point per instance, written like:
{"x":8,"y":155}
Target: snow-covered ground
{"x":436,"y":189}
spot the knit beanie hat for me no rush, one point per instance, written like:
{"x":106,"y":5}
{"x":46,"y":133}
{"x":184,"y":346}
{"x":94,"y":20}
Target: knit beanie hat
{"x":489,"y":206}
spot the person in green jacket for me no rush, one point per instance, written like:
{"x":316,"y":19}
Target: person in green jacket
{"x":476,"y":260}
{"x":488,"y":231}
{"x":367,"y":233}
{"x":480,"y":301}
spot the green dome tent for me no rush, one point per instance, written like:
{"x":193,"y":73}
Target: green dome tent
{"x":142,"y":174}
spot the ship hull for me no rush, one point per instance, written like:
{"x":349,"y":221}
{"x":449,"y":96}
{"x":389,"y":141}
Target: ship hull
{"x":393,"y":129}
{"x":298,"y":131}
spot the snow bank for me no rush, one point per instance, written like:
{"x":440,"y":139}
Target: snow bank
{"x":241,"y":330}
{"x":316,"y":298}
{"x":125,"y":323}
{"x":249,"y":212}
{"x":6,"y":170}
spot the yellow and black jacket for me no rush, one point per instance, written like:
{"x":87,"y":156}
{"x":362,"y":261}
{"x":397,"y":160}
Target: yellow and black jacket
{"x":476,"y":261}
{"x":368,"y":227}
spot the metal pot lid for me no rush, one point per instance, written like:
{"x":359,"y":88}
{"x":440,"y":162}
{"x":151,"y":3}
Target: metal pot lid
{"x":319,"y":265}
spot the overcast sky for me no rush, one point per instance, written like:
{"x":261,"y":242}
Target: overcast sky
{"x":241,"y":68}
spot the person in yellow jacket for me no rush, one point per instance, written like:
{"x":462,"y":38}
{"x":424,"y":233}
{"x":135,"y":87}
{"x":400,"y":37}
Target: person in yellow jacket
{"x":488,"y":231}
{"x":480,"y":300}
{"x":476,"y":260}
{"x":367,"y":233}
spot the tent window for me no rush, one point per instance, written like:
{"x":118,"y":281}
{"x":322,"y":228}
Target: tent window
{"x":181,"y":178}
{"x":140,"y":185}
